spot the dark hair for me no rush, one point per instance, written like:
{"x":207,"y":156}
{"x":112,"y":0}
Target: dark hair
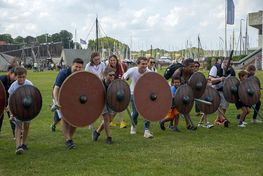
{"x":196,"y":62}
{"x":188,"y":61}
{"x":175,"y":78}
{"x":78,"y":61}
{"x":242,"y":73}
{"x":20,"y":71}
{"x":149,"y":58}
{"x":92,"y":56}
{"x":113,"y":55}
{"x":251,"y":68}
{"x":108,"y":70}
{"x":11,"y":69}
{"x":140,"y":59}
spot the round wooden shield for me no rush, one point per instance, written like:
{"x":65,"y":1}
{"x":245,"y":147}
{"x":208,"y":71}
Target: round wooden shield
{"x":249,"y":92}
{"x":184,"y":99}
{"x":152,"y":96}
{"x":25,"y":103}
{"x":2,"y":98}
{"x":118,"y":95}
{"x":210,"y":95}
{"x":230,"y":89}
{"x":82,"y":98}
{"x":198,"y":83}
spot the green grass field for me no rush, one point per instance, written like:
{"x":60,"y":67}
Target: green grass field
{"x":216,"y":151}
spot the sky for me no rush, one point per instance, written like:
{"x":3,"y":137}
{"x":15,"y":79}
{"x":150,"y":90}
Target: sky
{"x":166,"y":24}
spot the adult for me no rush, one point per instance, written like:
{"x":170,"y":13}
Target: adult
{"x":67,"y":129}
{"x":134,"y":74}
{"x":184,"y":73}
{"x":151,"y":64}
{"x":196,"y":69}
{"x":217,"y":74}
{"x":95,"y":65}
{"x":7,"y":80}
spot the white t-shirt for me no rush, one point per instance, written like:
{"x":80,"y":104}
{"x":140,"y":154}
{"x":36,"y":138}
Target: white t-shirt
{"x":213,"y":72}
{"x":134,"y":75}
{"x":15,"y":86}
{"x":96,"y":69}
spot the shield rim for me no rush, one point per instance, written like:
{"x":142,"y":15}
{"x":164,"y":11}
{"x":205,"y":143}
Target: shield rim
{"x":4,"y":98}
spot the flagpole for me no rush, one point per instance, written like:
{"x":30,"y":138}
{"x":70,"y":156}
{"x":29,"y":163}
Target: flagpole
{"x":225,"y":54}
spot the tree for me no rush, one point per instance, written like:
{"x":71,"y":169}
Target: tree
{"x":56,"y":37}
{"x":66,"y":38}
{"x":30,"y":40}
{"x":7,"y":38}
{"x":19,"y":40}
{"x":42,"y":38}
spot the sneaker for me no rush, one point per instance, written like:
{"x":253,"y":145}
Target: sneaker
{"x":90,"y":127}
{"x":24,"y":147}
{"x":112,"y":124}
{"x":19,"y":150}
{"x":200,"y":124}
{"x":208,"y":125}
{"x":245,"y":123}
{"x":95,"y":135}
{"x":176,"y":129}
{"x":147,"y":134}
{"x":109,"y":140}
{"x":70,"y":144}
{"x":162,"y":126}
{"x":191,"y":127}
{"x":226,"y":123}
{"x":123,"y":124}
{"x":256,"y":121}
{"x":53,"y":128}
{"x":133,"y":130}
{"x":242,"y":125}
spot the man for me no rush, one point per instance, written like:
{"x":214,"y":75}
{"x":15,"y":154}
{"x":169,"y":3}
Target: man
{"x":151,"y":64}
{"x":134,"y":74}
{"x":217,"y":74}
{"x":68,"y":130}
{"x":184,"y":73}
{"x":7,"y":80}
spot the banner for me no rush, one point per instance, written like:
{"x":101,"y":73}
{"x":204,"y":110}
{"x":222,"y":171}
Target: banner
{"x":230,"y":15}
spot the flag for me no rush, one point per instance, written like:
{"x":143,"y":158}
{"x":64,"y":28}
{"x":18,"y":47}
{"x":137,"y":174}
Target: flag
{"x":83,"y":42}
{"x":230,"y":15}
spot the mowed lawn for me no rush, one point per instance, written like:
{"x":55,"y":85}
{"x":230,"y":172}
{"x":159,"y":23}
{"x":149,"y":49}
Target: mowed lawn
{"x":216,"y":151}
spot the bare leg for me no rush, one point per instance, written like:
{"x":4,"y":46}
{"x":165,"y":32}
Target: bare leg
{"x":25,"y":132}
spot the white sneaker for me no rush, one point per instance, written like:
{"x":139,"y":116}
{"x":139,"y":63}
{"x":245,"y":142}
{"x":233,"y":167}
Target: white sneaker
{"x":245,"y":123}
{"x":242,"y":125}
{"x":200,"y":124}
{"x":208,"y":125}
{"x":256,"y":121}
{"x":133,"y":129}
{"x":147,"y":134}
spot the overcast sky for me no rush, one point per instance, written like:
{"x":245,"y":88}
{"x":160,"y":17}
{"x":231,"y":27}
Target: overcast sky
{"x":165,"y":24}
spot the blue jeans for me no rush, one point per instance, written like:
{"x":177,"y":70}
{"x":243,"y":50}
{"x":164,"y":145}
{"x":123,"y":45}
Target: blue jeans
{"x":135,"y":115}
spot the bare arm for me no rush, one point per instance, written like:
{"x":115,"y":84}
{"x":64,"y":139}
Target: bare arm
{"x":55,"y":94}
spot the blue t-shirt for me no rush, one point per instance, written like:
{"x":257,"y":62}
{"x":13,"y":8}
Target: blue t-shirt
{"x":63,"y":74}
{"x":173,"y":90}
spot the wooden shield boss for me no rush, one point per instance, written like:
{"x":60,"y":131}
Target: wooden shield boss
{"x":25,"y":103}
{"x":152,"y":96}
{"x":118,"y":95}
{"x":2,"y":98}
{"x":82,"y":98}
{"x":230,"y":89}
{"x":249,"y":92}
{"x":184,"y":99}
{"x":210,"y":95}
{"x":198,"y":83}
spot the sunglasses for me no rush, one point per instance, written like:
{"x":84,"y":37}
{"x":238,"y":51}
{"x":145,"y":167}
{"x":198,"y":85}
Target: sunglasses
{"x":111,"y":74}
{"x":152,"y":62}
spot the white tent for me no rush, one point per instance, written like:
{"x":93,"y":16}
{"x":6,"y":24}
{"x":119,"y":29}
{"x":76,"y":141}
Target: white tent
{"x":5,"y":61}
{"x":68,"y":55}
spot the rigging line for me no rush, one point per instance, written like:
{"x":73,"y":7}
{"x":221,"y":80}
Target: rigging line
{"x":102,"y":30}
{"x":90,"y":31}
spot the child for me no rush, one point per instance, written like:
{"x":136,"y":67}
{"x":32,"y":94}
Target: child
{"x":107,"y":113}
{"x":239,"y":105}
{"x":204,"y":116}
{"x":173,"y":114}
{"x":22,"y":127}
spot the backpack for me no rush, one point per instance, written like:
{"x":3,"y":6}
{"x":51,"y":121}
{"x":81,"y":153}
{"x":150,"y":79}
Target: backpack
{"x":171,"y":69}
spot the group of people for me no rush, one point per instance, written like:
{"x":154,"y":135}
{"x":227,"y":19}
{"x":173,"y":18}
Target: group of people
{"x":115,"y":69}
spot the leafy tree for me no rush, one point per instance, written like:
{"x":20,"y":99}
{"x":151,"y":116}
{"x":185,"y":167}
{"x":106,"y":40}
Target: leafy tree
{"x":6,"y":37}
{"x":19,"y":40}
{"x":30,"y":40}
{"x":66,"y":38}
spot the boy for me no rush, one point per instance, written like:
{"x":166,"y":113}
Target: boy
{"x":22,"y":127}
{"x":173,"y":114}
{"x":107,"y":113}
{"x":239,"y":105}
